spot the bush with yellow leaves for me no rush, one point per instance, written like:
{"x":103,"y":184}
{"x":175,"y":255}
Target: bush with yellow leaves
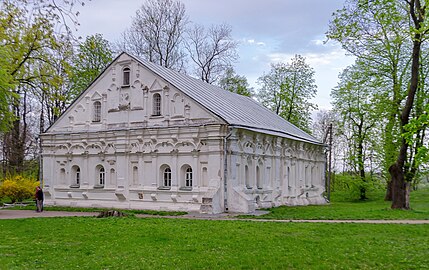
{"x":18,"y":188}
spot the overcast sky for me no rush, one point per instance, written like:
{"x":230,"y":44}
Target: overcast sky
{"x":269,"y":31}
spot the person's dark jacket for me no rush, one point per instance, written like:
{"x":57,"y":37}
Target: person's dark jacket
{"x":39,"y":194}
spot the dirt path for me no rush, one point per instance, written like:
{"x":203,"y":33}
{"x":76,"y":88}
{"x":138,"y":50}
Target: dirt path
{"x":14,"y":214}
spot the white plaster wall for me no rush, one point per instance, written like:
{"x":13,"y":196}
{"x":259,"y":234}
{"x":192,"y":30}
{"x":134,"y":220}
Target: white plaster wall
{"x":174,"y":147}
{"x":292,"y":172}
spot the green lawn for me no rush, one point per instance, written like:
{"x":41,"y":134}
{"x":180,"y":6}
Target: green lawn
{"x":341,"y":207}
{"x":154,"y":243}
{"x":32,"y":206}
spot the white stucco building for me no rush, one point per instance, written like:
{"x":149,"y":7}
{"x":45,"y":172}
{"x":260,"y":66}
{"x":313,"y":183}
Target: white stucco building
{"x":146,"y":137}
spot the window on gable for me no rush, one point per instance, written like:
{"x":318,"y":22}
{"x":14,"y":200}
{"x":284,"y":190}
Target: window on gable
{"x":156,"y":105}
{"x":97,"y":112}
{"x":126,"y":76}
{"x":167,"y":177}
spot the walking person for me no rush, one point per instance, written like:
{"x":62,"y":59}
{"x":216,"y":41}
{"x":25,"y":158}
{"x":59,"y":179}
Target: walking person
{"x":39,"y":199}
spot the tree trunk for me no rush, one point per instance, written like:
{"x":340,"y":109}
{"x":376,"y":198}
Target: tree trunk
{"x":389,"y":191}
{"x":400,"y":188}
{"x":389,"y":147}
{"x":360,"y":161}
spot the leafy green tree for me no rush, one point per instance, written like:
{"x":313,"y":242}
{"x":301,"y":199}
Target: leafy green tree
{"x":353,"y":101}
{"x":56,"y":94}
{"x":389,"y":35}
{"x":235,"y":83}
{"x":29,"y":31}
{"x":417,"y":11}
{"x":416,"y":129}
{"x":25,"y":42}
{"x":92,"y":57}
{"x":287,"y":90}
{"x":374,"y":32}
{"x":6,"y":94}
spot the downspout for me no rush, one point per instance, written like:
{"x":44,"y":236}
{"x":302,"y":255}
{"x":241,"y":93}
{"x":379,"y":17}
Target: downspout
{"x":328,"y":161}
{"x":225,"y":169}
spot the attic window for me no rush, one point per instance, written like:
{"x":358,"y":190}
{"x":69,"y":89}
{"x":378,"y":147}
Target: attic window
{"x":126,"y":76}
{"x":156,"y":105}
{"x":97,"y":112}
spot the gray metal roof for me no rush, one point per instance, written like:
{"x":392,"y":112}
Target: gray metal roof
{"x":236,"y":110}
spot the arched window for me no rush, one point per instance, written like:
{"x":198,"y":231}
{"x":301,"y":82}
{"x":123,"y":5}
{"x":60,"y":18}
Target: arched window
{"x":312,"y":177}
{"x":62,"y":176}
{"x":112,"y":177}
{"x":246,"y":176}
{"x":188,"y":177}
{"x":204,"y":176}
{"x":258,"y":178}
{"x":97,"y":112}
{"x":156,"y":104}
{"x":288,"y":177}
{"x":307,"y":175}
{"x":101,"y":176}
{"x":126,"y":76}
{"x":75,"y":176}
{"x":167,"y":177}
{"x":135,"y":175}
{"x":78,"y":176}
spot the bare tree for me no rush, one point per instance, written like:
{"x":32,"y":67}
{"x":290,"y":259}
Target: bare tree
{"x":212,"y":51}
{"x":156,"y":33}
{"x":320,"y":127}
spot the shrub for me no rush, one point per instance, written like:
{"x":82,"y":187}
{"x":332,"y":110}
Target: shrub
{"x":18,"y":188}
{"x":353,"y":184}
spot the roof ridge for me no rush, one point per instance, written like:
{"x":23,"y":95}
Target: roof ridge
{"x":234,"y":109}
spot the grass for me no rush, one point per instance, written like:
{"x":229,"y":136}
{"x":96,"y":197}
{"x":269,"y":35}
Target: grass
{"x":342,"y":207}
{"x":152,"y":243}
{"x":31,"y":206}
